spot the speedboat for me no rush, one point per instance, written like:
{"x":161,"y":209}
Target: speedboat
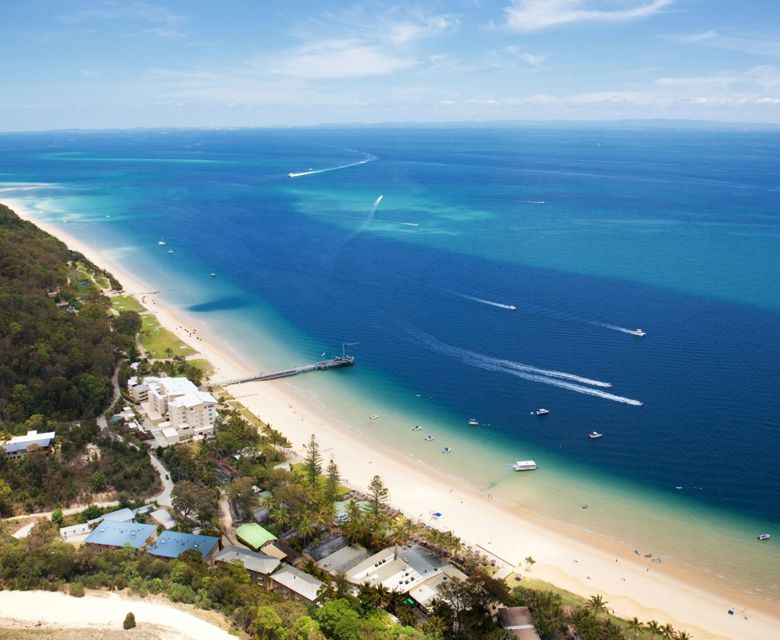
{"x":763,"y":536}
{"x":161,"y":242}
{"x":639,"y":333}
{"x":595,"y":434}
{"x":446,"y":450}
{"x":428,"y":438}
{"x":171,"y":251}
{"x":540,"y":412}
{"x":473,"y":422}
{"x":373,"y":417}
{"x":213,"y":275}
{"x":417,"y":427}
{"x":524,"y":465}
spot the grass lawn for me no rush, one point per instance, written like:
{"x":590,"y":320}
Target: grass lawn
{"x":126,"y":303}
{"x":204,"y":365}
{"x":159,"y":342}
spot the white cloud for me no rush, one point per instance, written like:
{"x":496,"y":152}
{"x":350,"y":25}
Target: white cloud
{"x":161,"y":22}
{"x":760,"y":45}
{"x":339,"y":59}
{"x":532,"y":59}
{"x":534,"y":15}
{"x":418,"y":27}
{"x":697,"y":37}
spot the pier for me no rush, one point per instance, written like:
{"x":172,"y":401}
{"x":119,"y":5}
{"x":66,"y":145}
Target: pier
{"x":343,"y":360}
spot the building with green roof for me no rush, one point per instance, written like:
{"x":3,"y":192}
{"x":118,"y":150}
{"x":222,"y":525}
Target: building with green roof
{"x":253,"y":535}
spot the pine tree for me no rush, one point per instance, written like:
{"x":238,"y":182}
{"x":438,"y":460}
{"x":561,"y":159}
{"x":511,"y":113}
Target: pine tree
{"x":332,"y":486}
{"x":378,"y":495}
{"x":313,"y":461}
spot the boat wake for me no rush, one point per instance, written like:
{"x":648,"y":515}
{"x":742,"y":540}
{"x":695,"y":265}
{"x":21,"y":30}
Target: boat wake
{"x":560,"y":379}
{"x":311,"y":172}
{"x":500,"y":305}
{"x":532,"y":201}
{"x":615,"y":327}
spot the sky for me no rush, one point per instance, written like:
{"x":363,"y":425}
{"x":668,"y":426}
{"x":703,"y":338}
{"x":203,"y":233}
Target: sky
{"x":232,"y":63}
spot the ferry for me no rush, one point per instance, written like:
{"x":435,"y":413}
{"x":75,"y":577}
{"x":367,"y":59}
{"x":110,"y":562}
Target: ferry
{"x":763,"y":536}
{"x":446,"y":450}
{"x":417,"y":427}
{"x":428,"y":438}
{"x":639,"y":333}
{"x":524,"y":465}
{"x":473,"y":422}
{"x":540,"y":412}
{"x":595,"y":434}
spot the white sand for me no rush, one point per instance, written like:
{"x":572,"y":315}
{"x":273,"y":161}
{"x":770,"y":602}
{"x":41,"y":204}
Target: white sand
{"x":55,"y":609}
{"x":584,"y":565}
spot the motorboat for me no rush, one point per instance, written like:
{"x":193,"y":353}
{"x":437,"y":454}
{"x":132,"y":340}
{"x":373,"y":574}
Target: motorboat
{"x":540,"y":412}
{"x":417,"y":427}
{"x":373,"y":417}
{"x":171,"y":251}
{"x":593,"y":435}
{"x":524,"y":465}
{"x":213,"y":275}
{"x":161,"y":242}
{"x":639,"y":333}
{"x":763,"y":536}
{"x":428,"y":438}
{"x":446,"y":450}
{"x":473,"y":422}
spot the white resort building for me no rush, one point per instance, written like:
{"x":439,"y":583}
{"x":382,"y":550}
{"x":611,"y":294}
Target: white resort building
{"x":176,"y":407}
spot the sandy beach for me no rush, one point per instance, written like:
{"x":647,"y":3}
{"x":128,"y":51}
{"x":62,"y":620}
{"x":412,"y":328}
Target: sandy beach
{"x":583,"y":563}
{"x":103,"y":611}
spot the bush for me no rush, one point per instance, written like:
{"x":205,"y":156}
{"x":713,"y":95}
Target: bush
{"x":76,"y":589}
{"x":129,"y":622}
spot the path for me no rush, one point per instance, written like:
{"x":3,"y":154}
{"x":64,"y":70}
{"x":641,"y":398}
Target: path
{"x":164,"y":498}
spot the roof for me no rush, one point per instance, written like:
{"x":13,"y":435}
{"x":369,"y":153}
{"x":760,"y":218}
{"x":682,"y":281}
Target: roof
{"x":280,"y":549}
{"x":342,"y":560}
{"x":171,"y":544}
{"x":21,"y":443}
{"x":299,"y":582}
{"x":426,"y":592}
{"x":325,"y":548}
{"x":253,"y":535}
{"x":164,"y":517}
{"x":252,"y":561}
{"x":397,"y":568}
{"x":518,"y":621}
{"x":120,"y":515}
{"x":74,"y":530}
{"x":120,"y":534}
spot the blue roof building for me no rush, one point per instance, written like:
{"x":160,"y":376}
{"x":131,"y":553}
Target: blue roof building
{"x":171,"y":544}
{"x":110,"y":533}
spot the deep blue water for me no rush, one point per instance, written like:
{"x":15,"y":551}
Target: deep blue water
{"x":675,"y":232}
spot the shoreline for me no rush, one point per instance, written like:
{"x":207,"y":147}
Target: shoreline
{"x":582,"y":562}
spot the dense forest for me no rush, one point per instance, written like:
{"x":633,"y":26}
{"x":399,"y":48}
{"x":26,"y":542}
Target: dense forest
{"x":55,"y":360}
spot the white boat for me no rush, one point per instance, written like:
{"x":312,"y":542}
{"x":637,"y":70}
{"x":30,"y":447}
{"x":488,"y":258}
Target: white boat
{"x":540,"y":412}
{"x":373,"y":417}
{"x":428,"y":438}
{"x":171,"y":251}
{"x":161,"y":242}
{"x":417,"y":427}
{"x":473,"y":422}
{"x":446,"y":450}
{"x":639,"y":333}
{"x":593,"y":435}
{"x":213,"y":275}
{"x":524,"y":465}
{"x":763,"y":536}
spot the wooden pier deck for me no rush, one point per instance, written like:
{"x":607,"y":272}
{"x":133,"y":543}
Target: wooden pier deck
{"x":333,"y":363}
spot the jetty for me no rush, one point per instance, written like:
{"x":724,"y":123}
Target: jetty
{"x":343,"y":360}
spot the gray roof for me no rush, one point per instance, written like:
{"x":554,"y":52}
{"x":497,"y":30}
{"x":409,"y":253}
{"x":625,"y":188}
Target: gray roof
{"x":120,"y":515}
{"x":22,"y":443}
{"x":299,"y":582}
{"x":326,"y":547}
{"x":252,"y":561}
{"x":342,"y":560}
{"x":119,"y":534}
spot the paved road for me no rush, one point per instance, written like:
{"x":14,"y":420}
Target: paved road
{"x":164,"y":497}
{"x":65,"y":512}
{"x":101,"y":419}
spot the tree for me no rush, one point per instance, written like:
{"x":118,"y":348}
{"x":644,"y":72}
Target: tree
{"x":597,"y":604}
{"x":529,"y":562}
{"x":313,"y":461}
{"x":56,"y":517}
{"x":129,"y":622}
{"x":306,"y":628}
{"x":267,"y":624}
{"x":98,"y":481}
{"x":668,"y":631}
{"x":654,"y":628}
{"x":378,"y":495}
{"x":195,"y":499}
{"x":635,"y":626}
{"x":242,"y":494}
{"x":332,"y":484}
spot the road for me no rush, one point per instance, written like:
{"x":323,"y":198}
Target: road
{"x":101,"y":419}
{"x":164,"y":498}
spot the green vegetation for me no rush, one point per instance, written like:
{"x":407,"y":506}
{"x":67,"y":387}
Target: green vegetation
{"x":125,"y":302}
{"x":129,"y":622}
{"x":159,"y":342}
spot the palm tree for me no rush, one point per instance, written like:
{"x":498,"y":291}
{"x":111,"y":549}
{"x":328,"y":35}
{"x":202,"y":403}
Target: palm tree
{"x":529,"y":562}
{"x":597,"y":604}
{"x":654,"y":628}
{"x":634,"y":626}
{"x":668,"y":632}
{"x":683,"y":635}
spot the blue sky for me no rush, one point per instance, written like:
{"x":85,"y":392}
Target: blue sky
{"x":105,"y":63}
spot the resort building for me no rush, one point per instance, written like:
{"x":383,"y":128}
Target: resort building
{"x":171,"y":544}
{"x":342,"y":560}
{"x":294,"y":584}
{"x":163,"y":517}
{"x":426,"y":592}
{"x":258,"y":565}
{"x":175,"y":405}
{"x":254,"y":536}
{"x":396,"y":568}
{"x":109,"y":534}
{"x":31,"y":442}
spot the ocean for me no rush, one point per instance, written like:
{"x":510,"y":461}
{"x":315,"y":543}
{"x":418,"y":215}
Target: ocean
{"x":484,"y":273}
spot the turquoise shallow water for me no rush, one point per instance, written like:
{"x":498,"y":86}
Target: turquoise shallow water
{"x":583,"y":232}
